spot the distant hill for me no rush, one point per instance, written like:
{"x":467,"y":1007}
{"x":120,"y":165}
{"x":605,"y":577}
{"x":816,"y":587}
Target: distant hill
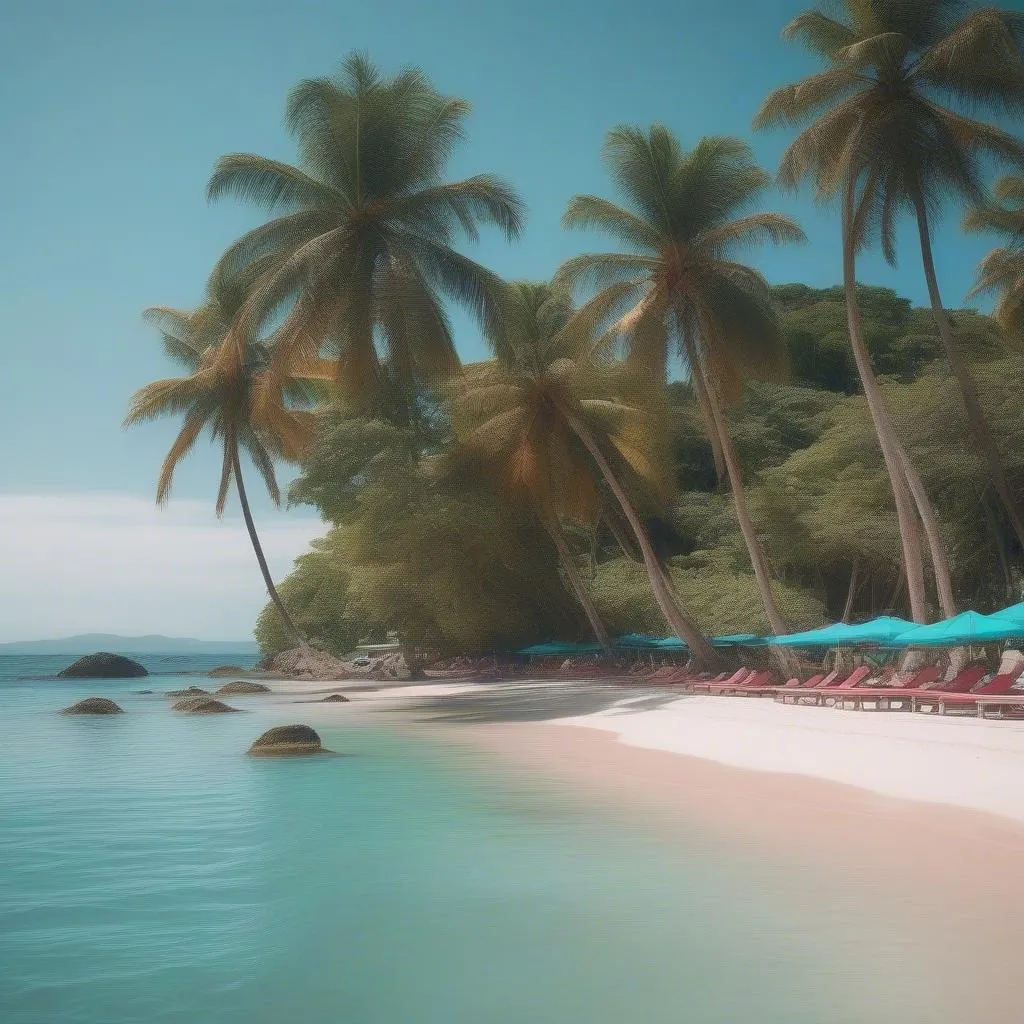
{"x":89,"y":643}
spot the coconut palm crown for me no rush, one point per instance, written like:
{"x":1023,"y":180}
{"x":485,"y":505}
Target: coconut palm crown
{"x":360,"y":250}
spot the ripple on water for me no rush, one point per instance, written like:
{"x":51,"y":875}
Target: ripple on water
{"x":150,"y":871}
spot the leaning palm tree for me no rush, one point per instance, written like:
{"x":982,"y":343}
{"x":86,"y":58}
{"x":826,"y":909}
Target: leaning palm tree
{"x":884,"y":141}
{"x":360,"y":250}
{"x":538,"y":459}
{"x":549,"y":391}
{"x":895,"y":72}
{"x":1002,"y":271}
{"x":246,"y":410}
{"x":685,"y":219}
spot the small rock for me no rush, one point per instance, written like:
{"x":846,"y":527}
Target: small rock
{"x":227,"y":670}
{"x":94,"y":706}
{"x":287,"y":741}
{"x":241,"y":686}
{"x":201,"y":706}
{"x":334,"y":698}
{"x":142,"y":691}
{"x":103,"y":666}
{"x":192,"y":691}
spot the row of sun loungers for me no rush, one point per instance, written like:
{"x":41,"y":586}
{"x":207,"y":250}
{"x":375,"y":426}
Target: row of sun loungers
{"x":923,"y":691}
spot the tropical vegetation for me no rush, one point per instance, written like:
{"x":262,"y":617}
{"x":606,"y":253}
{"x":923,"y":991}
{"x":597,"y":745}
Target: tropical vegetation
{"x":660,"y":440}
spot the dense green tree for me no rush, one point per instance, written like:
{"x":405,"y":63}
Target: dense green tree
{"x":886,"y":139}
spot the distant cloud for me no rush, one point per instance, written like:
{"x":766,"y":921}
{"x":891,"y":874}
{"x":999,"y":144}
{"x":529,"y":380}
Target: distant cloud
{"x":79,"y":563}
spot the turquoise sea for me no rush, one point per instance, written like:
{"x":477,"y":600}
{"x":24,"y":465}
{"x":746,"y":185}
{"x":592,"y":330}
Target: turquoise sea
{"x":150,"y":872}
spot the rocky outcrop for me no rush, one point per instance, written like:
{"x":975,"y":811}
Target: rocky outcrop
{"x":201,"y":706}
{"x":103,"y":666}
{"x":226,"y":670}
{"x":288,"y":741}
{"x":391,"y":666}
{"x":191,"y":691}
{"x":334,"y":698}
{"x":242,"y":686}
{"x":309,"y":663}
{"x":94,"y":706}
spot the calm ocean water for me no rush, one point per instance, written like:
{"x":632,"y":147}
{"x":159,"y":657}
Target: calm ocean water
{"x":150,"y":872}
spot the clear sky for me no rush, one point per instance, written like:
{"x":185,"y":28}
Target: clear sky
{"x":115,"y":112}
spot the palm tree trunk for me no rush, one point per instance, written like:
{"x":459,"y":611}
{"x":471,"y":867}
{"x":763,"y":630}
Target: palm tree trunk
{"x":905,"y":513}
{"x":258,"y":548}
{"x":702,"y":654}
{"x":851,"y":592}
{"x":739,"y":496}
{"x":943,"y":581}
{"x":557,"y":534}
{"x":704,"y":407}
{"x":977,"y":423}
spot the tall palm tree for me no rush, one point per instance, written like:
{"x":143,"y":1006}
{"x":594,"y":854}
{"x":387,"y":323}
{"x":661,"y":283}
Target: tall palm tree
{"x":543,"y":398}
{"x":897,"y":68}
{"x":538,"y":459}
{"x":1002,"y":270}
{"x":684,"y":221}
{"x":360,"y":247}
{"x":246,"y":410}
{"x":885,"y":140}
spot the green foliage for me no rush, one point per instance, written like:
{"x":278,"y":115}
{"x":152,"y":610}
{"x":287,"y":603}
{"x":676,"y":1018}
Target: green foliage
{"x":316,"y":595}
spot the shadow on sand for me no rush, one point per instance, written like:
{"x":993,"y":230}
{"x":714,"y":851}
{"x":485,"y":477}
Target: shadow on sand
{"x":535,"y":701}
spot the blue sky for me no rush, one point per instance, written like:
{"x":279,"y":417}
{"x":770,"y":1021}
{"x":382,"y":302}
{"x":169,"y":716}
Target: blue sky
{"x":116,"y":111}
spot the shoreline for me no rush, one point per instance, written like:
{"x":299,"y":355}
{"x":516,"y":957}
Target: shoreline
{"x":947,"y":876}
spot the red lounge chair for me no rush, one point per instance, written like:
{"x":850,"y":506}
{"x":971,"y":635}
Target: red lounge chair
{"x":794,"y":694}
{"x":830,"y":692}
{"x":998,"y":693}
{"x":705,"y":685}
{"x":756,"y":682}
{"x":882,"y":697}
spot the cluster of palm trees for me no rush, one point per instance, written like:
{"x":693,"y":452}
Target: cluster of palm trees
{"x":348,"y":281}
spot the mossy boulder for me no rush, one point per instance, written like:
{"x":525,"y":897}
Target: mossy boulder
{"x":226,"y":670}
{"x":191,"y":691}
{"x":202,"y":706}
{"x":243,"y":686}
{"x":103,"y":666}
{"x":334,"y":698}
{"x":94,"y":706}
{"x":287,"y":741}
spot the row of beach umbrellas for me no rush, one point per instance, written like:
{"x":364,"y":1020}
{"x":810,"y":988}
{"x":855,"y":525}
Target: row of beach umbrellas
{"x":885,"y":631}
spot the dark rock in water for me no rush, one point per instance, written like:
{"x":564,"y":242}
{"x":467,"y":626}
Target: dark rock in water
{"x":241,"y":686}
{"x":94,"y":706}
{"x":192,"y":691}
{"x":142,"y":691}
{"x":334,"y":698}
{"x":103,"y":666}
{"x":287,"y":740}
{"x":201,"y":706}
{"x":226,"y":670}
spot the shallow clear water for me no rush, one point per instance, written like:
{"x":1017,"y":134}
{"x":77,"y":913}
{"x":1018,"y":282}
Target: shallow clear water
{"x":149,"y":871}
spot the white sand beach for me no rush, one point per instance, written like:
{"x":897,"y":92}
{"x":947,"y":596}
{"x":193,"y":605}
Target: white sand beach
{"x":918,"y":817}
{"x":966,"y":762}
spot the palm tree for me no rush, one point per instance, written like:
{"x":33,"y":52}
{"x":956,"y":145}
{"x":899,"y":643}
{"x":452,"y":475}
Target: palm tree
{"x":538,"y":459}
{"x":1002,"y":270}
{"x":544,"y":397}
{"x":245,"y":410}
{"x":886,"y":141}
{"x":684,"y":221}
{"x":360,"y":250}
